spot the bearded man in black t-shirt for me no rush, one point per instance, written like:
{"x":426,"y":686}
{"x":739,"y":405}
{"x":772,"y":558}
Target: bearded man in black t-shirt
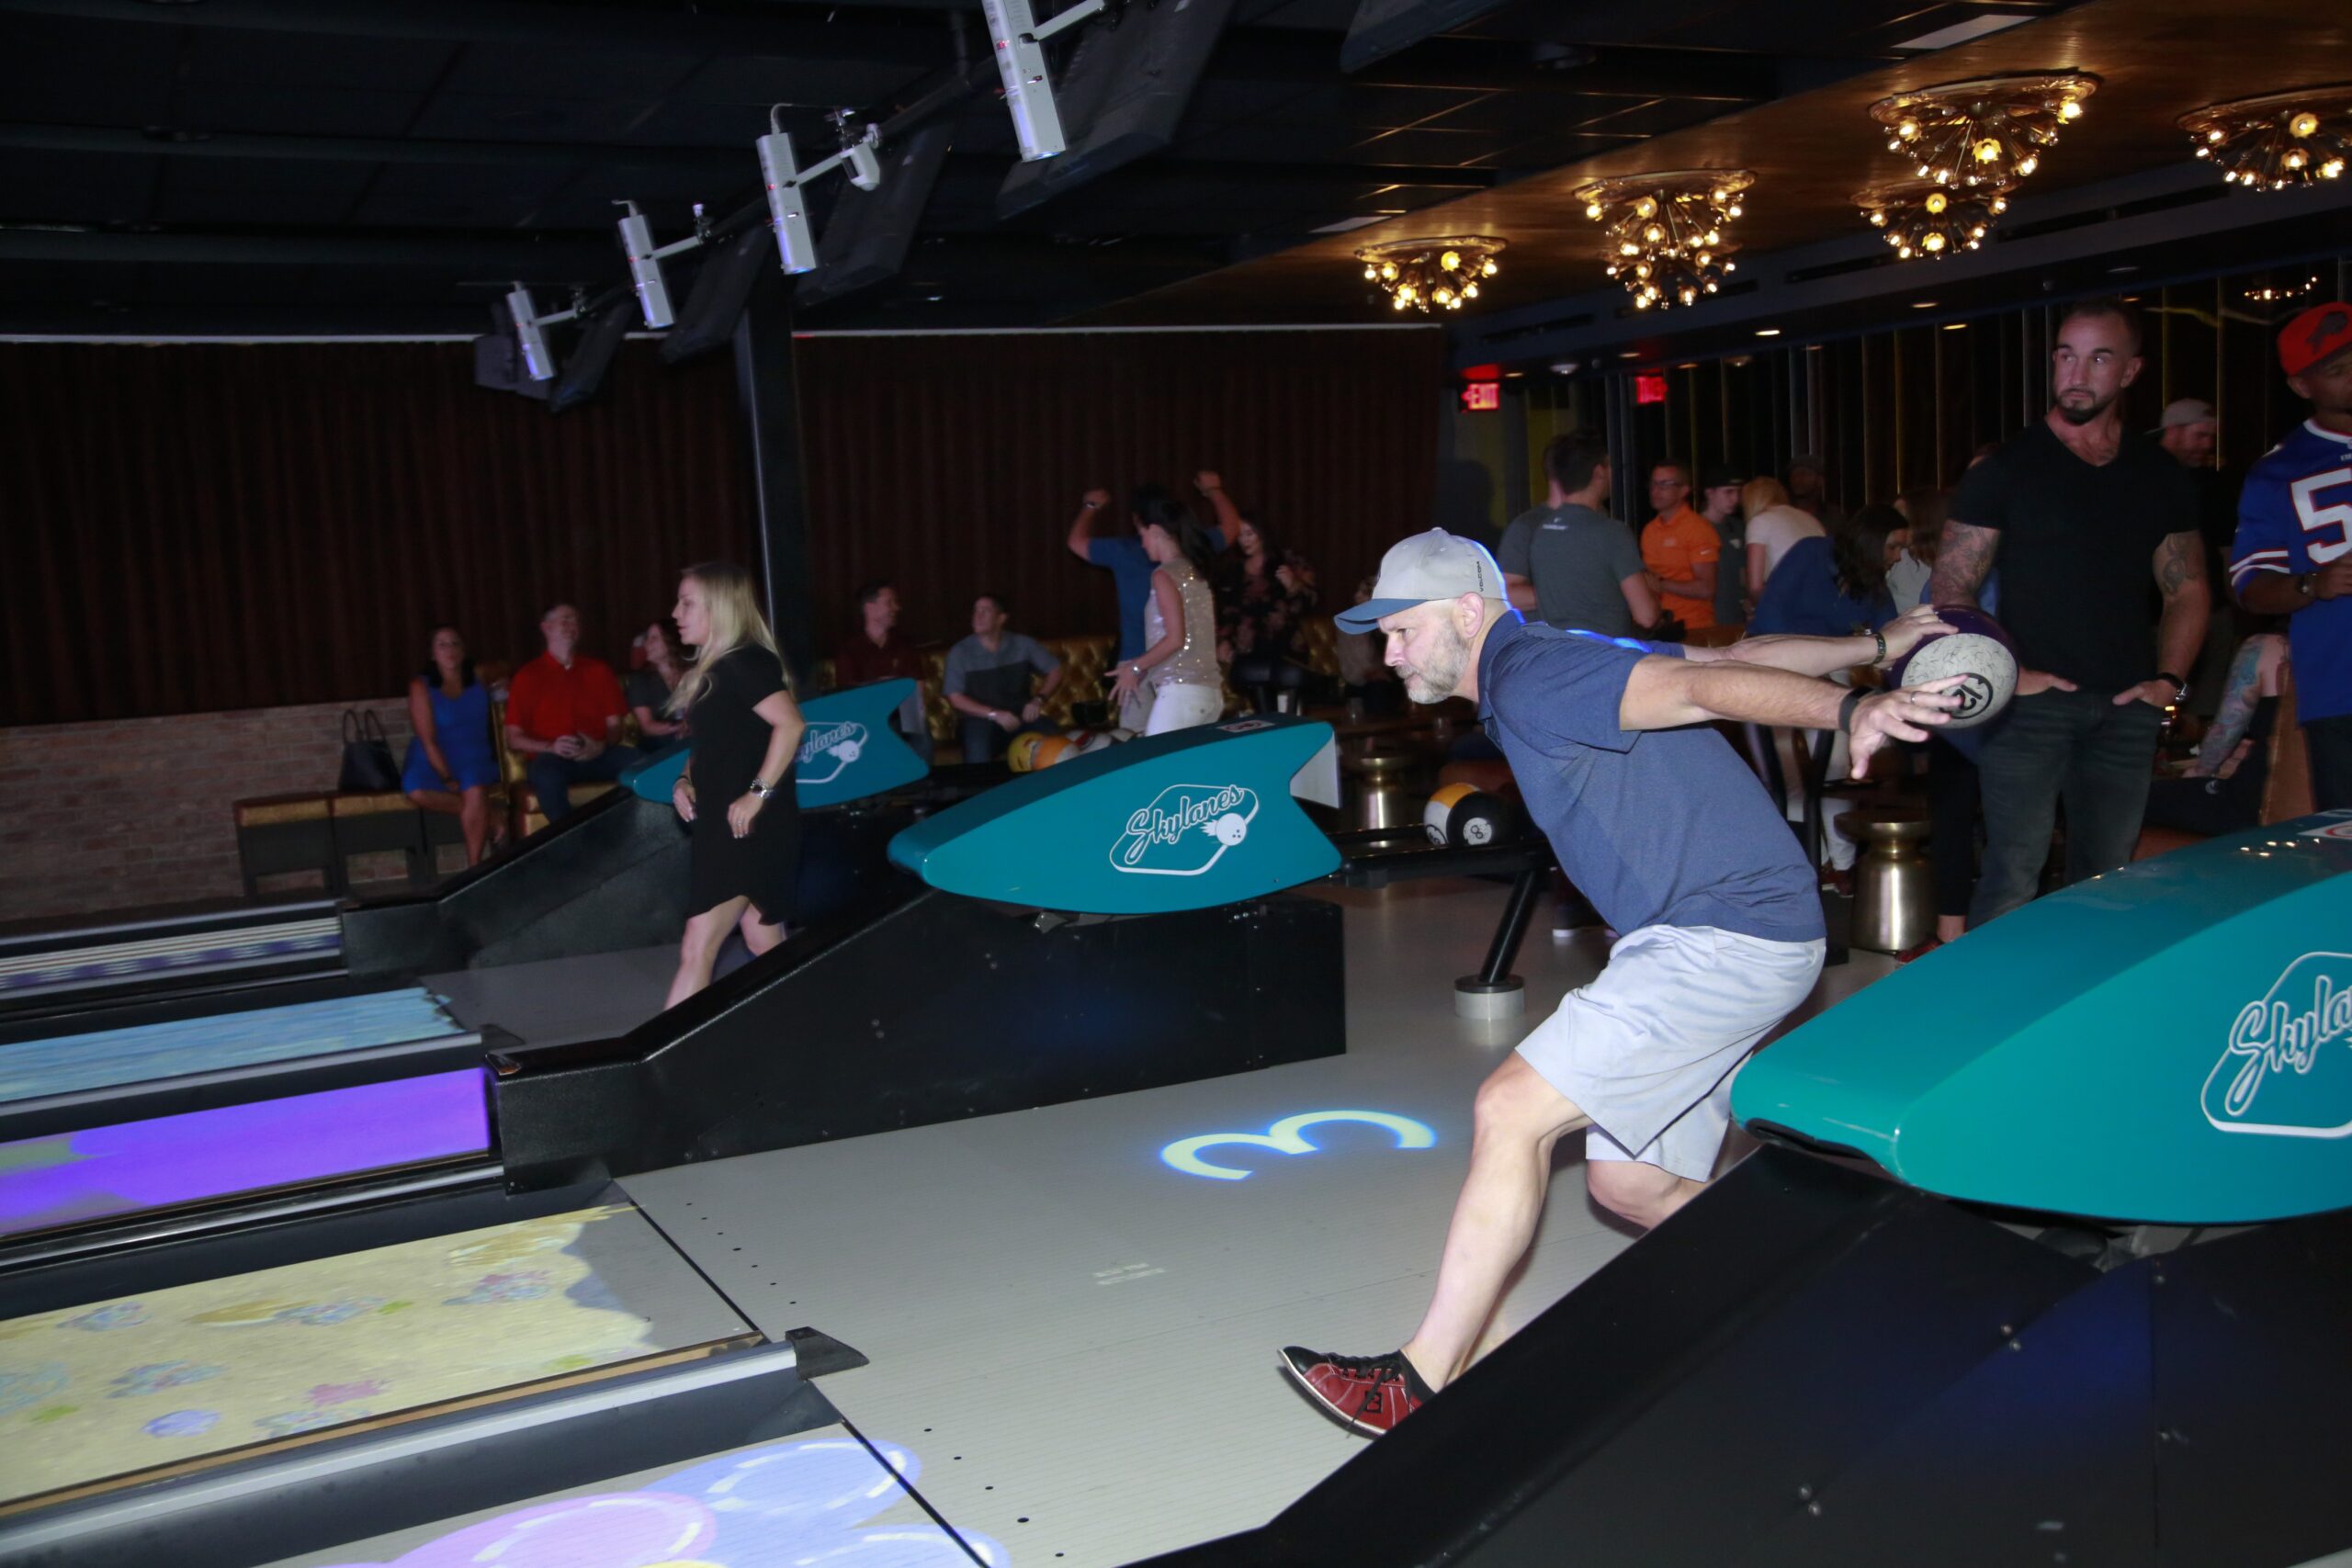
{"x":2062,"y":517}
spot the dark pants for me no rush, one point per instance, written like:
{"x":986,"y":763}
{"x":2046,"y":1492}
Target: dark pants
{"x":2078,"y":747}
{"x":2208,"y":807}
{"x":2329,"y":741}
{"x":1259,"y":676}
{"x":552,"y":776}
{"x":984,"y":740}
{"x":1952,"y":798}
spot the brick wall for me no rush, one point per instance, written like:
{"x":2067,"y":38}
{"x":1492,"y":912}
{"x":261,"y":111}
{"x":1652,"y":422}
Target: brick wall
{"x":131,"y":813}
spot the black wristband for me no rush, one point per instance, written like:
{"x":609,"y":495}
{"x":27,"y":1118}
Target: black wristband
{"x":2169,"y":679}
{"x":1845,"y":711}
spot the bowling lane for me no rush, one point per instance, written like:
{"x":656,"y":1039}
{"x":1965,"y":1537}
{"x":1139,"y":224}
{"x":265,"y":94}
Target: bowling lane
{"x":830,"y":1494}
{"x":108,"y":1394}
{"x":77,"y":1063}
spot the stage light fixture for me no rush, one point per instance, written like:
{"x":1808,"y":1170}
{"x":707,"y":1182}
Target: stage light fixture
{"x":539,"y":359}
{"x":1019,"y":42}
{"x":645,"y":260}
{"x":781,"y":171}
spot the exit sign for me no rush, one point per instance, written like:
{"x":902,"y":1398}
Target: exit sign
{"x":1482,"y":397}
{"x":1649,"y":388}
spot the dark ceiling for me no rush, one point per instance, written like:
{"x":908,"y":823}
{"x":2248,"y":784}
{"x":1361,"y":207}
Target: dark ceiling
{"x":192,"y":166}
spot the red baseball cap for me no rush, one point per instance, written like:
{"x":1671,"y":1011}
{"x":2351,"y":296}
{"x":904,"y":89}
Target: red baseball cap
{"x":2321,"y":332}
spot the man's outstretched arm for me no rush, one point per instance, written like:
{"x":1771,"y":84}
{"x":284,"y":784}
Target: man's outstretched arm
{"x":1828,"y":655}
{"x":1081,"y":527}
{"x":1666,"y":693}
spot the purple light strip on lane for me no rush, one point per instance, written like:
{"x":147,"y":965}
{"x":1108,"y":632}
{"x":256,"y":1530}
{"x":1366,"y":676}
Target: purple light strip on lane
{"x":198,"y":1156}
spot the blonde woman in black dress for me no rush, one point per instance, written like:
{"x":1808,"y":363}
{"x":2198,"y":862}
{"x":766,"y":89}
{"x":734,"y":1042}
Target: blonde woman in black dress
{"x":736,"y":789}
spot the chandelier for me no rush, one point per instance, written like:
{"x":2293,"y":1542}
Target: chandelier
{"x":2277,"y":293}
{"x":1429,"y":275}
{"x":1990,"y":132}
{"x":1920,"y":218}
{"x":2278,"y":139}
{"x":1666,"y":244}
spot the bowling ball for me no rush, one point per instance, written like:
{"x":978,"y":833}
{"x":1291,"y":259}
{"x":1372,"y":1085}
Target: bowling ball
{"x":1463,"y":816}
{"x":1022,"y":755}
{"x":1977,"y":650}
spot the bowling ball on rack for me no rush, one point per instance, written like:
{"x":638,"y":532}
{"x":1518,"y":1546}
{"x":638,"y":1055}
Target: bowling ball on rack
{"x":1978,"y":651}
{"x":1463,"y":816}
{"x":1022,"y":755}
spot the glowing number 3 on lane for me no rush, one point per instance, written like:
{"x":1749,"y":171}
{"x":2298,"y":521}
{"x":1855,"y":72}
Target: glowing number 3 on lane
{"x":1289,"y":1137}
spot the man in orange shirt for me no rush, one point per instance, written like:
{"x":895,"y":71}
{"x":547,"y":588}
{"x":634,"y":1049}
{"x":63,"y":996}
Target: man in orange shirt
{"x":1679,"y":550}
{"x":563,"y":712}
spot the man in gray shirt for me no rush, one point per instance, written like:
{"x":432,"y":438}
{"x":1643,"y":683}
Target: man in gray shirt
{"x":1567,"y":563}
{"x":1718,"y":502}
{"x":988,"y":682}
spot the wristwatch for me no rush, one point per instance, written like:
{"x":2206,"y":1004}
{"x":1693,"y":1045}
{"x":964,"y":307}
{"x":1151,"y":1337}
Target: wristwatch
{"x":761,"y":790}
{"x":2180,"y":687}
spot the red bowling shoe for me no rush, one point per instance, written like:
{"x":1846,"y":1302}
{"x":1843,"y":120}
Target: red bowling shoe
{"x":1364,"y":1393}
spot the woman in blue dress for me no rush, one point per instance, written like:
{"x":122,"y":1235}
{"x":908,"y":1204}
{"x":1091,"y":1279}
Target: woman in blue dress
{"x":451,"y":766}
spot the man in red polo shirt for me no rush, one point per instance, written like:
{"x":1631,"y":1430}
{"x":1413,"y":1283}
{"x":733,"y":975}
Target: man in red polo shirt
{"x":876,"y":651}
{"x":563,"y":712}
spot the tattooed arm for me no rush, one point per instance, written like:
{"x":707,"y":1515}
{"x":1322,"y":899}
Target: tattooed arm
{"x":2181,"y":573}
{"x":2244,"y":690}
{"x":1962,"y":563}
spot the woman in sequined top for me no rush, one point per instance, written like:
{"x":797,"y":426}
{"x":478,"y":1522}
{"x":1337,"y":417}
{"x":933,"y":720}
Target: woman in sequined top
{"x":1179,"y":658}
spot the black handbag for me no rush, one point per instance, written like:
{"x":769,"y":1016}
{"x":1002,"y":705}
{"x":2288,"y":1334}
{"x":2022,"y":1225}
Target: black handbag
{"x":367,"y":765}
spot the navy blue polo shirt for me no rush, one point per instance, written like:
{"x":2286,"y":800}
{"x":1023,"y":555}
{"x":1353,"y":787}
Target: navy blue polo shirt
{"x":1660,"y":827}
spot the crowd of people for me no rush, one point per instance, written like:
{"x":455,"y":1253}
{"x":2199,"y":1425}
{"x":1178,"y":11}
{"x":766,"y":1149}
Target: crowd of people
{"x":1651,"y":813}
{"x":2071,"y":535}
{"x":1601,"y":664}
{"x":2043,"y":532}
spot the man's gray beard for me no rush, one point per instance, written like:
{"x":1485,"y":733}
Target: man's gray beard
{"x":2087,"y":415}
{"x":1447,"y":672}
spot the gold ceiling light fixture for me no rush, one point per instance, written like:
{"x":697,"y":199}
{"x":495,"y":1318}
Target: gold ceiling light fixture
{"x":2278,"y":139}
{"x":1920,"y":218}
{"x":2277,"y":293}
{"x":1668,"y":233}
{"x":1442,"y":274}
{"x":1992,"y":130}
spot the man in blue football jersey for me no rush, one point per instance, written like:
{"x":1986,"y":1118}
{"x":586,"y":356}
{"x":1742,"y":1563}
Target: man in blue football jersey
{"x":2293,"y":552}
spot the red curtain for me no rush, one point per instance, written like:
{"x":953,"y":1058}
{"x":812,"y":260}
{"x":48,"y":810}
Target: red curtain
{"x":194,"y":528}
{"x":201,"y":527}
{"x":953,"y":465}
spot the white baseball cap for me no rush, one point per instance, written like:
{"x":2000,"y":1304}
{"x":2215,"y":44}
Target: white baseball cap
{"x":1435,"y":565}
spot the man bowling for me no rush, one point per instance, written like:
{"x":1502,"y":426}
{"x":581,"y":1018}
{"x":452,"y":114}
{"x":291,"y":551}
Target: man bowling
{"x":1658,"y":822}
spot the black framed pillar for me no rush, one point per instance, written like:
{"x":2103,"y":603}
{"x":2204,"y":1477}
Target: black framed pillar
{"x":767,"y":392}
{"x":1623,"y":448}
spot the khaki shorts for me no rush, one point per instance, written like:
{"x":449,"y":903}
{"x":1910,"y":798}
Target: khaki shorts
{"x":1648,"y":1049}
